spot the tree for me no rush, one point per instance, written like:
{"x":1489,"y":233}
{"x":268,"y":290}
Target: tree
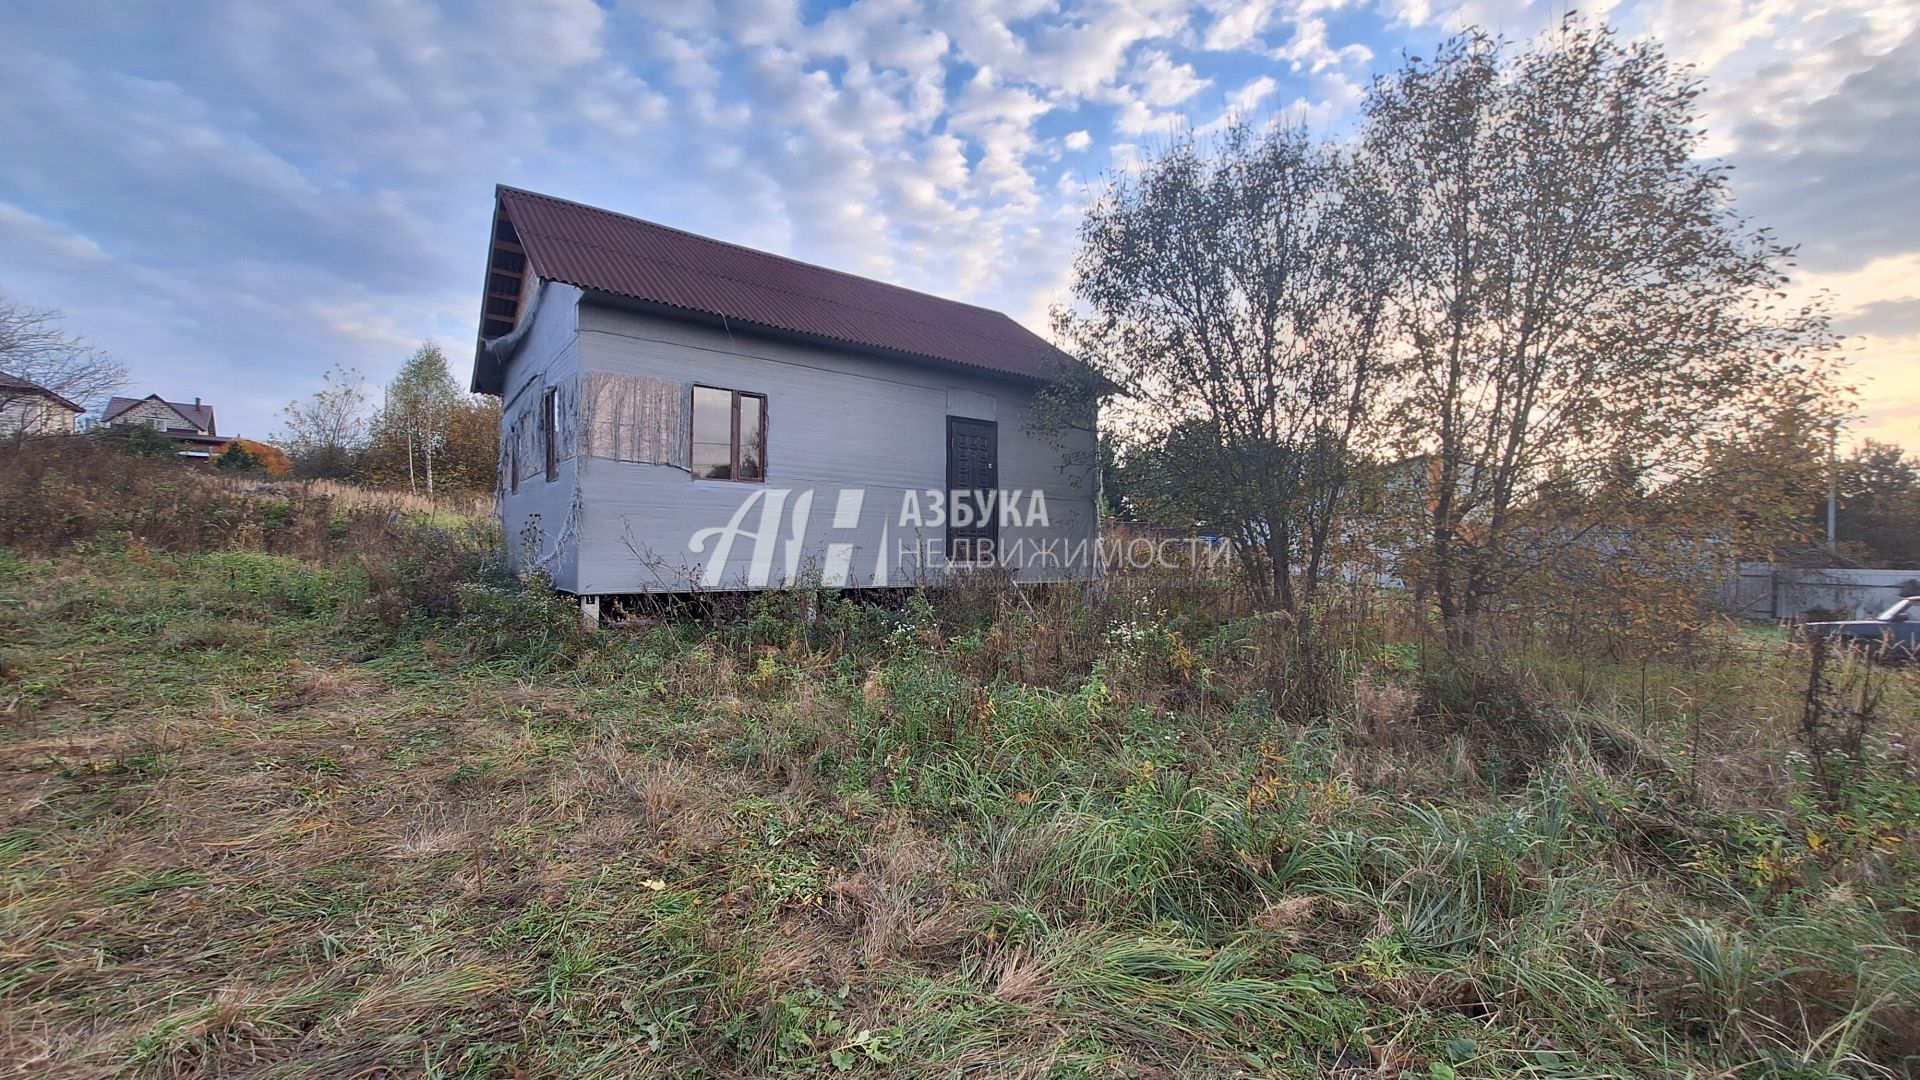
{"x":238,"y":458}
{"x":1238,"y":299}
{"x":136,"y":440}
{"x":419,"y":403}
{"x":431,"y":435}
{"x":1879,"y":513}
{"x":325,"y":433}
{"x":1766,"y":473}
{"x":470,"y":459}
{"x":1877,"y":518}
{"x":271,"y":459}
{"x":1574,"y":295}
{"x":36,"y":349}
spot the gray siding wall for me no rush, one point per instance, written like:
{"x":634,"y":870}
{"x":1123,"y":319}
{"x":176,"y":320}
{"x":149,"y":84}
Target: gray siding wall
{"x":837,"y":422}
{"x":542,"y":519}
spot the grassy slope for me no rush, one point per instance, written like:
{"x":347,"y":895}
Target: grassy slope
{"x":240,"y":838}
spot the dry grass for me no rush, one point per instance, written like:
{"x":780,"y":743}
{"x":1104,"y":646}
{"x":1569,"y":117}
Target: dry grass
{"x":249,"y":828}
{"x":443,"y":504}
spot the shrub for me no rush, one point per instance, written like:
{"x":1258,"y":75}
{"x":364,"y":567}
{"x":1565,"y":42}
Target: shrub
{"x":523,"y":621}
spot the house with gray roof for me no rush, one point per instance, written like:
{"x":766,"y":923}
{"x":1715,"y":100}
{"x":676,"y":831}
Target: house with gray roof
{"x":683,"y":414}
{"x":191,"y":426}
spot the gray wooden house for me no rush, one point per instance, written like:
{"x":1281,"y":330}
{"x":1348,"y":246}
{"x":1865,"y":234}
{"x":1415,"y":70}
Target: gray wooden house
{"x":682,"y":414}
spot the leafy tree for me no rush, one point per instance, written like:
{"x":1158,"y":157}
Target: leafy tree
{"x":1574,"y":296}
{"x":1238,"y":298}
{"x":136,"y":440}
{"x":324,"y":434}
{"x":430,"y":435}
{"x":238,"y":458}
{"x":419,"y":403}
{"x":273,"y":460}
{"x":1878,"y":518}
{"x":471,"y":458}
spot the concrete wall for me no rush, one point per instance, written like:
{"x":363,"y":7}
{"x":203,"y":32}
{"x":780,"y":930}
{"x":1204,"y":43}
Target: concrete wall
{"x":1790,"y":592}
{"x":837,"y":423}
{"x":155,"y":415}
{"x":35,"y":415}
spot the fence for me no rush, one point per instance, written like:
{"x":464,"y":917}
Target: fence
{"x":1766,"y":591}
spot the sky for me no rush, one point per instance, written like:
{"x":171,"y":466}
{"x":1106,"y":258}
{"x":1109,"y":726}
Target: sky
{"x":232,"y":198}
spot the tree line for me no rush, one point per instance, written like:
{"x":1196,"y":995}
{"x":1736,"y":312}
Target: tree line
{"x":1512,"y":333}
{"x":424,"y":433}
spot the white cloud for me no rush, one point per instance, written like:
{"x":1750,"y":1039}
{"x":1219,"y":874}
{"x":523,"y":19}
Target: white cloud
{"x":884,"y":33}
{"x":1135,"y":118}
{"x":1309,"y":49}
{"x":253,"y":179}
{"x":1241,"y":104}
{"x":690,"y":65}
{"x":30,"y":236}
{"x":1068,"y":49}
{"x":1159,"y":81}
{"x":1252,"y":94}
{"x":1515,"y":18}
{"x":1237,"y":25}
{"x":1813,"y":102}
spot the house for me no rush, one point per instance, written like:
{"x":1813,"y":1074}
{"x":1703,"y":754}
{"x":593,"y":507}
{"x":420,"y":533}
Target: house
{"x":191,"y":426}
{"x":27,"y":408}
{"x":683,"y":414}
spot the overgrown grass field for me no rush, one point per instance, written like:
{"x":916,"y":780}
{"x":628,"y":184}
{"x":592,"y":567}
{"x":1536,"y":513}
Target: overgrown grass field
{"x":371,"y":810}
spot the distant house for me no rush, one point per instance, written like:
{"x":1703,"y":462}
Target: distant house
{"x":192,"y":426}
{"x":681,"y":413}
{"x":27,"y":408}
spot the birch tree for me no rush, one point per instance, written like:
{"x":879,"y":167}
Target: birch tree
{"x":1575,"y":295}
{"x":420,"y":402}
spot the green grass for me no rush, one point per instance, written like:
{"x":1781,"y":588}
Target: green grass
{"x":259,"y":824}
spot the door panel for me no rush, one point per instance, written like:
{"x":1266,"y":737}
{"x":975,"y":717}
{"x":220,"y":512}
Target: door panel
{"x":973,"y":467}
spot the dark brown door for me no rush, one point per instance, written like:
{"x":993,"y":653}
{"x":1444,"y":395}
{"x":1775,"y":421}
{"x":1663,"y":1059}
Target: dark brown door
{"x":973,"y":504}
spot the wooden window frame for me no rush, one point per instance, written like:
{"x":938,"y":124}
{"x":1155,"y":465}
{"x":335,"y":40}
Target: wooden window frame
{"x":733,"y":410}
{"x":550,"y":430}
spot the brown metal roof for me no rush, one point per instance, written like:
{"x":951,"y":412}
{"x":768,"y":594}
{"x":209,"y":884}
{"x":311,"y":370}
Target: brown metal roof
{"x":14,"y":384}
{"x":612,"y":253}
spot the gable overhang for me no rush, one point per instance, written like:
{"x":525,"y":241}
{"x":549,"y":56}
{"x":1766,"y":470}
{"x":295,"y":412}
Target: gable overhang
{"x":133,"y":403}
{"x":491,"y":355}
{"x":40,"y":392}
{"x":506,"y":300}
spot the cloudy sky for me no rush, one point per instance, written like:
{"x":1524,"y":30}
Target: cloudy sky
{"x":232,"y":197}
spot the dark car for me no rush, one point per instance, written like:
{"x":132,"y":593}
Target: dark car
{"x":1895,"y":635}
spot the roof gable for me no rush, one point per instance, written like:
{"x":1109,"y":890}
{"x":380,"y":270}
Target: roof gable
{"x":198,"y":416}
{"x":15,"y":385}
{"x":601,"y":251}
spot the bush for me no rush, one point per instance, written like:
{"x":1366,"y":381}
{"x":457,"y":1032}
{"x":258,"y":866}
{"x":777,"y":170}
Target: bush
{"x":523,"y":621}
